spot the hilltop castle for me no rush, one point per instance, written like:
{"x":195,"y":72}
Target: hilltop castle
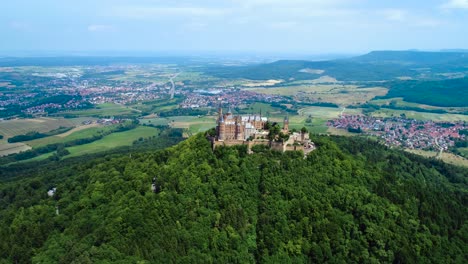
{"x":252,"y":130}
{"x":239,"y":127}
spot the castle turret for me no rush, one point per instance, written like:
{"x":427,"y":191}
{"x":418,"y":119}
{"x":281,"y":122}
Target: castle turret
{"x":221,"y":128}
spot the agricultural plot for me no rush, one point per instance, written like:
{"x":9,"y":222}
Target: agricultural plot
{"x":104,"y":110}
{"x":421,"y":115}
{"x":114,"y":140}
{"x":399,"y":102}
{"x":88,"y":132}
{"x":11,"y":128}
{"x":192,"y":123}
{"x":7,"y":149}
{"x":446,"y":157}
{"x":327,"y":112}
{"x":332,"y":93}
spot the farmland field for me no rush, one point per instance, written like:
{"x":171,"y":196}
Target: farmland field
{"x":327,"y":112}
{"x":114,"y":140}
{"x":84,"y":133}
{"x":332,"y":93}
{"x":421,"y":115}
{"x":446,"y":157}
{"x":15,"y":127}
{"x":104,"y":110}
{"x":7,"y":149}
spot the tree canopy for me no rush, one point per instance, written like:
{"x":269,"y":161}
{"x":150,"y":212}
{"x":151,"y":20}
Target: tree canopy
{"x":349,"y":201}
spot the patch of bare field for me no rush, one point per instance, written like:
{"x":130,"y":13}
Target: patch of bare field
{"x":339,"y":132}
{"x":325,"y":79}
{"x":404,"y":78}
{"x":12,"y":148}
{"x":265,"y":83}
{"x":83,"y":127}
{"x":446,"y":157}
{"x":10,"y":128}
{"x":312,"y":71}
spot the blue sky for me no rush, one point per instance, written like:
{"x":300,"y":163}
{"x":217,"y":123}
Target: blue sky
{"x":286,"y":26}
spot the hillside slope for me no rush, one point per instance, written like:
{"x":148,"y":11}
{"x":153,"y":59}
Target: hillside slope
{"x":350,"y":201}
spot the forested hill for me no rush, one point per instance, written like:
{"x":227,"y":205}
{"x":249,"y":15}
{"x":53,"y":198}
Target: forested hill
{"x":414,"y":57}
{"x":350,"y":201}
{"x":374,"y":66}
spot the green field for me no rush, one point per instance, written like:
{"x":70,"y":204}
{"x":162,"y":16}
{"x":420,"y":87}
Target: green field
{"x":464,"y":152}
{"x":86,"y":133}
{"x":399,"y":102}
{"x":421,"y":115}
{"x":332,"y":93}
{"x":446,"y":157}
{"x":327,"y":112}
{"x":114,"y":140}
{"x":104,"y":110}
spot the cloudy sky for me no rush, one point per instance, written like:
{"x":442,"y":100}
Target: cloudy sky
{"x":288,"y":26}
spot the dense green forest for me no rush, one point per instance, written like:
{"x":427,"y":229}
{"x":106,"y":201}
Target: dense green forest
{"x":349,"y":201}
{"x":450,"y":92}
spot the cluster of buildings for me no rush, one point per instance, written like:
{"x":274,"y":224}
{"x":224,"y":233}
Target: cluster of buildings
{"x":253,"y":130}
{"x":407,"y":133}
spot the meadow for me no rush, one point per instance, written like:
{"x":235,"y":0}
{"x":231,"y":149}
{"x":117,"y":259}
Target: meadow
{"x":103,"y":110}
{"x":113,"y":140}
{"x":446,"y":157}
{"x":84,"y":133}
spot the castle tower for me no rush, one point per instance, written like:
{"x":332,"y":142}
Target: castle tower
{"x":239,"y":135}
{"x":221,"y":129}
{"x":286,"y":124}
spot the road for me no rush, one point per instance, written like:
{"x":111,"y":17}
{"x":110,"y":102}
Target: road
{"x":171,"y":79}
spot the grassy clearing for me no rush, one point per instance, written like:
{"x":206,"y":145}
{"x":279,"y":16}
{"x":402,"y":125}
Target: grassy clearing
{"x":463,"y":151}
{"x":104,"y":110}
{"x":339,"y":132}
{"x":114,"y":140}
{"x":192,"y":123}
{"x":327,"y":112}
{"x":446,"y":157}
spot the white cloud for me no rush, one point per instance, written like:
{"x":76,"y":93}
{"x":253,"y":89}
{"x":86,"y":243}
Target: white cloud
{"x":100,"y":28}
{"x":457,"y":4}
{"x":141,"y":12}
{"x":395,"y":14}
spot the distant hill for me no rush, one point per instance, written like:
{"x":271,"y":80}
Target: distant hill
{"x":349,"y":201}
{"x":375,"y":66}
{"x":451,"y":92}
{"x":420,"y":58}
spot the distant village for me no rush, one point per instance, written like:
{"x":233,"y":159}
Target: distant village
{"x":71,"y":94}
{"x":407,"y":133}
